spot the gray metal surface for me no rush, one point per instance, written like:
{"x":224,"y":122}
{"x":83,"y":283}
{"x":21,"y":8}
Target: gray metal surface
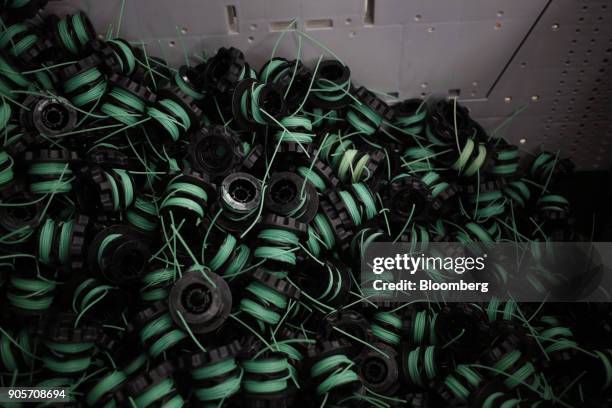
{"x":550,"y":59}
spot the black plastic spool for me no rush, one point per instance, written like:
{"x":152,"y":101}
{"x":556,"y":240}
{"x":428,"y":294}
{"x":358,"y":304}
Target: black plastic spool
{"x":351,"y":322}
{"x":123,"y":260}
{"x":49,"y":116}
{"x":223,"y":71}
{"x":378,"y":372}
{"x":239,"y":198}
{"x":403,"y":194}
{"x":270,"y":100}
{"x":342,"y":235}
{"x":203,"y":303}
{"x":293,"y":80}
{"x":283,"y":197}
{"x":215,"y":151}
{"x":337,"y":73}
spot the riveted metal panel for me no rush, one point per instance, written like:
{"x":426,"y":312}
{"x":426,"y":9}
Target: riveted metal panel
{"x":547,"y":59}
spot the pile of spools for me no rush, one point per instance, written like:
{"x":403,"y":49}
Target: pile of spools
{"x":192,"y":237}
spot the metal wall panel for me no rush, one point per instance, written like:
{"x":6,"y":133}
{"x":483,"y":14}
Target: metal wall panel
{"x":550,"y":59}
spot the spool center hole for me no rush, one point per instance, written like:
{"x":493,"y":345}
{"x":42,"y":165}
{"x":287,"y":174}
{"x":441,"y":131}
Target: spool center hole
{"x":242,"y":190}
{"x":374,"y":370}
{"x":284,"y":191}
{"x":332,"y":72}
{"x":214,"y":154}
{"x":196,"y":298}
{"x":55,"y":116}
{"x":406,"y":199}
{"x":132,"y":263}
{"x":271,"y":102}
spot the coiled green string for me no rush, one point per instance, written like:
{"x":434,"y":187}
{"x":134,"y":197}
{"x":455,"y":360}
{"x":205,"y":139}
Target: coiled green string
{"x":176,"y":122}
{"x":435,"y":183}
{"x":520,"y":374}
{"x":34,"y":294}
{"x":137,"y":220}
{"x":466,"y":164}
{"x":362,"y":239}
{"x":553,"y":202}
{"x":266,"y":298}
{"x":412,"y":125}
{"x":94,"y":295}
{"x":518,"y":192}
{"x":416,"y":159}
{"x":17,"y":48}
{"x":167,"y":336}
{"x":106,"y":384}
{"x":313,"y":177}
{"x":160,"y":391}
{"x":86,"y":87}
{"x":508,"y":155}
{"x":72,"y":44}
{"x":189,"y":203}
{"x":382,"y":320}
{"x":228,"y":247}
{"x":295,"y":129}
{"x":473,"y":379}
{"x":103,"y":245}
{"x":493,"y":310}
{"x":348,"y":162}
{"x":157,"y":283}
{"x":186,"y":88}
{"x":324,"y":231}
{"x":420,"y":375}
{"x":127,"y":53}
{"x":488,"y":205}
{"x":125,"y":188}
{"x":68,"y":358}
{"x":14,"y":75}
{"x":221,"y":390}
{"x":419,"y":333}
{"x":271,"y":367}
{"x":14,"y":349}
{"x":62,"y":184}
{"x":120,"y":113}
{"x":249,"y":104}
{"x":330,"y":91}
{"x":285,"y":242}
{"x":368,"y":127}
{"x":337,"y":372}
{"x":6,"y":171}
